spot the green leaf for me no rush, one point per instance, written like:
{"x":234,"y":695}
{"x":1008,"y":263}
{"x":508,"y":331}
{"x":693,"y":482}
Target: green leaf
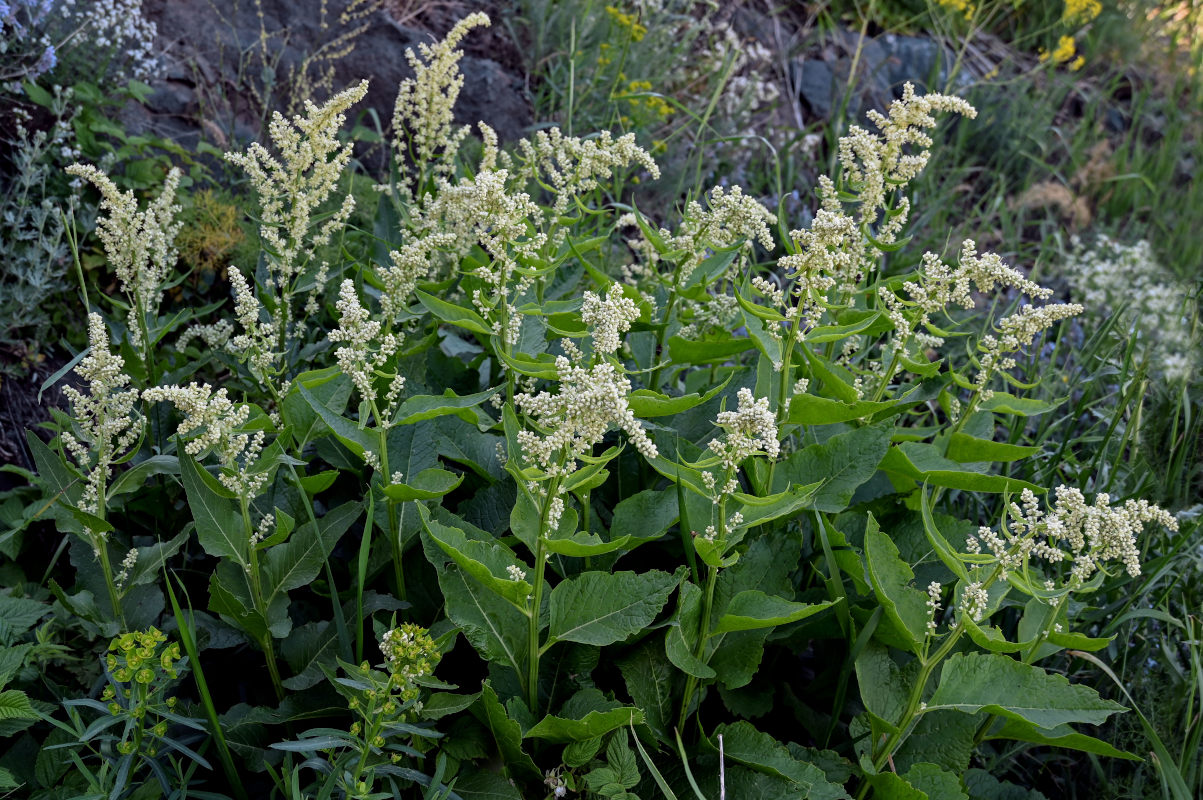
{"x":836,"y":379}
{"x":936,"y":783}
{"x":923,"y":462}
{"x":888,"y":786}
{"x":459,"y":316}
{"x":744,"y":744}
{"x":593,"y":724}
{"x":355,"y":438}
{"x":420,"y":407}
{"x":943,"y":549}
{"x":307,"y":649}
{"x":230,"y":597}
{"x":651,"y":681}
{"x":681,"y":640}
{"x":601,"y":608}
{"x":808,"y":409}
{"x":750,"y":610}
{"x":16,"y":705}
{"x":1005,"y":403}
{"x":491,"y":624}
{"x":645,"y":403}
{"x":133,"y":478}
{"x":508,"y":735}
{"x":965,"y":448}
{"x":486,"y":561}
{"x":1060,"y":736}
{"x":426,"y":485}
{"x":688,"y":351}
{"x":331,"y":388}
{"x":993,"y":683}
{"x":151,"y":559}
{"x":645,"y":514}
{"x":442,"y":704}
{"x":842,"y":463}
{"x":892,"y":579}
{"x":297,"y":562}
{"x":220,"y":528}
{"x":884,"y":687}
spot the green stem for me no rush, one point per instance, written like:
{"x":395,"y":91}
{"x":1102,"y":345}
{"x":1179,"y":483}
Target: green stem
{"x":269,"y":650}
{"x":533,"y":651}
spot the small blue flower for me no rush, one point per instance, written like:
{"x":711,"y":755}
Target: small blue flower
{"x":47,"y":62}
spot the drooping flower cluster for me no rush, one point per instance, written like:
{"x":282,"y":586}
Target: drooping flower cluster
{"x":750,"y":429}
{"x":423,"y":112}
{"x":1014,"y":333}
{"x":609,"y":318}
{"x":292,"y":190}
{"x":212,"y":421}
{"x":410,"y":264}
{"x":938,"y":285}
{"x":106,"y":422}
{"x":138,"y":243}
{"x":1083,"y":534}
{"x":572,"y":165}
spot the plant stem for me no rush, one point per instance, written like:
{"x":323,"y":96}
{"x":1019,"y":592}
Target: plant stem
{"x":532,"y":663}
{"x":269,"y":650}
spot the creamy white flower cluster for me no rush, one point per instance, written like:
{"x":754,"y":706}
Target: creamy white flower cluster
{"x":577,"y":417}
{"x":211,"y":421}
{"x":423,"y":111}
{"x":214,"y":334}
{"x":139,"y":244}
{"x":291,"y":190}
{"x":1072,"y":530}
{"x":483,"y":209}
{"x":875,"y":164}
{"x":573,"y":165}
{"x":830,"y":252}
{"x":410,"y":264}
{"x":1110,"y":275}
{"x":728,"y":217}
{"x":1014,"y":333}
{"x":105,"y":417}
{"x":939,"y":284}
{"x":364,"y":353}
{"x":609,"y":318}
{"x":750,"y":429}
{"x":122,"y":24}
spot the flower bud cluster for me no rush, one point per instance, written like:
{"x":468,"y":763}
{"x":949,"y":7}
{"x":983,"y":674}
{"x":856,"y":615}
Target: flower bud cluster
{"x":364,"y":353}
{"x":609,"y":318}
{"x":751,"y":429}
{"x":423,"y":112}
{"x":212,"y":421}
{"x":106,"y":423}
{"x":291,"y":190}
{"x":573,"y":166}
{"x":731,"y":217}
{"x":138,"y":243}
{"x":1014,"y":333}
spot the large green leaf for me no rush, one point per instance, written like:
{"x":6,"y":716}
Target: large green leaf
{"x":751,"y":610}
{"x":486,"y":561}
{"x":993,"y":683}
{"x":601,"y":608}
{"x":963,"y":447}
{"x":645,"y":403}
{"x":426,"y":485}
{"x":355,"y":438}
{"x":744,"y":744}
{"x":16,"y":705}
{"x":508,"y":735}
{"x":429,"y":406}
{"x":842,"y":463}
{"x":892,"y":578}
{"x":647,"y":513}
{"x":681,"y":641}
{"x":459,"y":316}
{"x":1060,"y":736}
{"x":651,"y":681}
{"x":923,"y":462}
{"x":296,"y":562}
{"x":809,"y":409}
{"x":491,"y":624}
{"x":591,"y":725}
{"x":219,"y":524}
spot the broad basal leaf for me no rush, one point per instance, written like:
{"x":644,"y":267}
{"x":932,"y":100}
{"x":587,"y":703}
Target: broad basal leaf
{"x":892,"y":578}
{"x":842,"y":463}
{"x":996,"y":684}
{"x":601,"y":608}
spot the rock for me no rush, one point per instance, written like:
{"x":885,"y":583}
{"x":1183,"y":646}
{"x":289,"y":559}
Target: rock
{"x":223,"y":62}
